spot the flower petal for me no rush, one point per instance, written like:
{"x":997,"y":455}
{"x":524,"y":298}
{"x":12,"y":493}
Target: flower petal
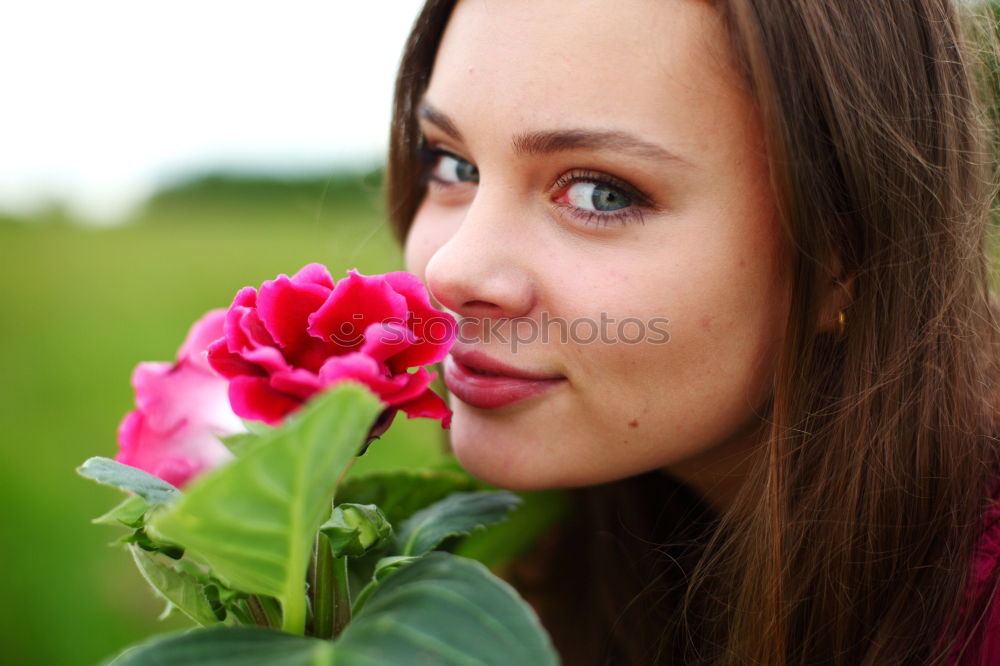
{"x":228,"y":364}
{"x":202,"y":333}
{"x":364,"y":369}
{"x":416,"y":383}
{"x":385,"y":340}
{"x":268,"y":359}
{"x":314,"y":274}
{"x":297,"y":335}
{"x":428,"y":405}
{"x":175,"y":455}
{"x":284,"y":306}
{"x":176,"y":470}
{"x":393,"y":390}
{"x":149,"y":379}
{"x":435,"y":329}
{"x":237,"y":338}
{"x":357,"y":302}
{"x":172,"y":395}
{"x":299,"y":383}
{"x":253,"y":398}
{"x":128,"y":437}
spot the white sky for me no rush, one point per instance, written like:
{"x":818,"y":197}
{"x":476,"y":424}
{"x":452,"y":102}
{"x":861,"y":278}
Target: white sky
{"x":103,"y":99}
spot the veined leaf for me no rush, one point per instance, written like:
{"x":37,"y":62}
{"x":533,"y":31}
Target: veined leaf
{"x":448,"y":611}
{"x":229,"y":646}
{"x":177,"y":588}
{"x":401,"y":493}
{"x":240,"y":443}
{"x":256,"y":427}
{"x":132,"y":479}
{"x":383,"y":568}
{"x":523,"y":528}
{"x":456,"y":515}
{"x":129,"y":513}
{"x":253,"y":521}
{"x":440,"y":609}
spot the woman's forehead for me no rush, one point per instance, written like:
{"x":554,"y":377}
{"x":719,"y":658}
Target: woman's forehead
{"x":652,"y":68}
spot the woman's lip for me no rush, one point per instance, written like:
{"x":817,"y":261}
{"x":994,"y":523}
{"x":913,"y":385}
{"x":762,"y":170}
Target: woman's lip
{"x":492,"y":391}
{"x":477,"y":361}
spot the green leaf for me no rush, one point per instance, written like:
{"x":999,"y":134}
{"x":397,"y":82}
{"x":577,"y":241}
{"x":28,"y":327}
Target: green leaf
{"x":179,"y":589}
{"x":448,"y":611}
{"x":524,"y":526}
{"x":383,"y":568}
{"x":141,"y":539}
{"x":401,"y":493}
{"x":257,"y":427}
{"x":129,"y":513}
{"x":194,"y":571}
{"x":440,"y":609}
{"x":354,"y":529}
{"x":387,"y":565}
{"x":455,"y":515}
{"x":253,"y":521}
{"x":240,"y":443}
{"x":168,"y":611}
{"x":132,"y":479}
{"x":229,"y":646}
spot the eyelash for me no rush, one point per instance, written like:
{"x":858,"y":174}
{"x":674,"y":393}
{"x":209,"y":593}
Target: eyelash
{"x":428,"y":156}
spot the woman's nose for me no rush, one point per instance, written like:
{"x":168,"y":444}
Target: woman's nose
{"x":481,"y":270}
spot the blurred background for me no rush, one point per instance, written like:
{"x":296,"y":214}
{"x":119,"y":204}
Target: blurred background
{"x":154,"y":158}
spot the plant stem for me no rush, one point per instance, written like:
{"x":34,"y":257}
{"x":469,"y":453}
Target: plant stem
{"x":363,"y":595}
{"x":341,"y":593}
{"x":271,"y":610}
{"x":321,"y":588}
{"x":293,"y":611}
{"x":244,"y":615}
{"x":257,"y":611}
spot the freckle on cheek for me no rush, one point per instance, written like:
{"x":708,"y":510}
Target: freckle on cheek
{"x":634,"y":423}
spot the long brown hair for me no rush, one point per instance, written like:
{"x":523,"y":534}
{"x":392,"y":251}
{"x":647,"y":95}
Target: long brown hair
{"x":852,"y":539}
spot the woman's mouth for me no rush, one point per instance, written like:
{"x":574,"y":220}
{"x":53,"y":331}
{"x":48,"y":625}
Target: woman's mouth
{"x":480,"y":381}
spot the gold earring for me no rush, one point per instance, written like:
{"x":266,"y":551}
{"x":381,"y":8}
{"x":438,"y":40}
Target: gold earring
{"x":841,"y":324}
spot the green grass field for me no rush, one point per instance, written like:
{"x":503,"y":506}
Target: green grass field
{"x":82,"y":307}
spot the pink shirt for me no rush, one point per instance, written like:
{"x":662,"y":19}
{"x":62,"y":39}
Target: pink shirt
{"x":984,"y":644}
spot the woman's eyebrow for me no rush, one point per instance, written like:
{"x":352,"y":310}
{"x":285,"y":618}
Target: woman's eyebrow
{"x":553,"y":141}
{"x":440,"y":119}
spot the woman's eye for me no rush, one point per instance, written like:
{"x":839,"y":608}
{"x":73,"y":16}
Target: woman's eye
{"x":600,"y":200}
{"x":444,"y":167}
{"x":597,"y":197}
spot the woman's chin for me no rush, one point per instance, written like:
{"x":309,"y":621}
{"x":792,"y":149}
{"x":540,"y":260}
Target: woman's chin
{"x":493,"y":451}
{"x":503,"y":456}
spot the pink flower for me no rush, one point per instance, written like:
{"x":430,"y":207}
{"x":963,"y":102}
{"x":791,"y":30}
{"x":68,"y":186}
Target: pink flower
{"x":182,"y":408}
{"x":300,"y":334}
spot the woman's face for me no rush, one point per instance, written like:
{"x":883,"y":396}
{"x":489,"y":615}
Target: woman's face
{"x":597,"y":174}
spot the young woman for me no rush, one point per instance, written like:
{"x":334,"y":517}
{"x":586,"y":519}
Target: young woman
{"x":722,"y":268}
